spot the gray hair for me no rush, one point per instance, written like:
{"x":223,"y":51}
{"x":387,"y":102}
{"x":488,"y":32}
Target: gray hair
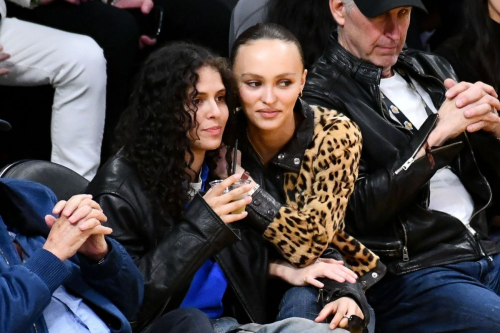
{"x":349,"y":5}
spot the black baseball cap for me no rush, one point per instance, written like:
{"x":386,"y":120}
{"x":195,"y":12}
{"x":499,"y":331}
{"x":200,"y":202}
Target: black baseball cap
{"x":4,"y":126}
{"x":374,"y":8}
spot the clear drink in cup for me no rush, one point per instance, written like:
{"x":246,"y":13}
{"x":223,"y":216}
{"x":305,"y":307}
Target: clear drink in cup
{"x":235,"y":185}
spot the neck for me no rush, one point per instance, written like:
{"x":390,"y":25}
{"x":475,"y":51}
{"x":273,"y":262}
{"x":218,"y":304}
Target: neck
{"x":195,"y":167}
{"x":268,"y":143}
{"x":494,"y":14}
{"x":387,"y":72}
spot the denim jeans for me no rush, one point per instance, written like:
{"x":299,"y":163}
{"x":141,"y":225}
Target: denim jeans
{"x":301,"y":302}
{"x":461,"y":297}
{"x":290,"y":325}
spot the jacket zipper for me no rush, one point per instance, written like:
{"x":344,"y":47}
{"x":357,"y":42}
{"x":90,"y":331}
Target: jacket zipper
{"x":475,"y":234}
{"x":406,"y":257}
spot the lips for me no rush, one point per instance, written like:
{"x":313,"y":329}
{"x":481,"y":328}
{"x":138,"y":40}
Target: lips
{"x":214,"y":130}
{"x":268,"y":113}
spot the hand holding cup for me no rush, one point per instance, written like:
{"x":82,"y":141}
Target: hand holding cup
{"x":229,"y":197}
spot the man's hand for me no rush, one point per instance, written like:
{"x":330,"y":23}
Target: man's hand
{"x":468,"y":107}
{"x":78,"y":228}
{"x":144,"y":5}
{"x":323,"y":268}
{"x":341,"y":307}
{"x":3,"y":56}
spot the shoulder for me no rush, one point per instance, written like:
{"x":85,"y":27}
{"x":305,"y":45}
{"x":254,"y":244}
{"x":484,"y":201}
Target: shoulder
{"x":335,"y":125}
{"x":430,"y":64}
{"x":35,"y":194}
{"x":116,"y":176}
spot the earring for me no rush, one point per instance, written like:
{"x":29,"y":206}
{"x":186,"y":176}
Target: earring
{"x":300,"y":94}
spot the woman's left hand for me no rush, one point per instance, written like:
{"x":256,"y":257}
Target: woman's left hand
{"x":322,"y":268}
{"x":342,"y":308}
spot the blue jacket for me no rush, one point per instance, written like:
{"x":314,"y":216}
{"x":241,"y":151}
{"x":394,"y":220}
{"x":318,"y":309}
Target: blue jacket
{"x":113,"y":289}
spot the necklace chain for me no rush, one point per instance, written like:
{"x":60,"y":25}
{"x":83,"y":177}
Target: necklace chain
{"x":255,"y":149}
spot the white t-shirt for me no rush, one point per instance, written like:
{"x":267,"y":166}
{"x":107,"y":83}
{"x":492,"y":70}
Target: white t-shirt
{"x":447,"y":193}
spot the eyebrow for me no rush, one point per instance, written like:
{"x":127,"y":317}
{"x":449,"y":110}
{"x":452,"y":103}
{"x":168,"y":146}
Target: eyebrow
{"x":260,"y":77}
{"x":201,"y":93}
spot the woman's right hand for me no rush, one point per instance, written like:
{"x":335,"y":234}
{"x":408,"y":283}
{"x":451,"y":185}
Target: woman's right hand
{"x":323,"y":268}
{"x":223,"y":204}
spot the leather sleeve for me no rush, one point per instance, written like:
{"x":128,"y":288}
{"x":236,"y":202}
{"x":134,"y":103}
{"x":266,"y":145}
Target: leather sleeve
{"x":334,"y":290}
{"x":379,"y":194}
{"x":169,"y":264}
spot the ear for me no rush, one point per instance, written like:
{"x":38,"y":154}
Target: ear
{"x":303,"y":80}
{"x":337,"y":9}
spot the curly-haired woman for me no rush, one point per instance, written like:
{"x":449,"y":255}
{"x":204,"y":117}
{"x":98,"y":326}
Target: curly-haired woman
{"x":197,"y":265}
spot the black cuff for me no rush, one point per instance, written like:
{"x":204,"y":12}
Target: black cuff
{"x":262,"y":210}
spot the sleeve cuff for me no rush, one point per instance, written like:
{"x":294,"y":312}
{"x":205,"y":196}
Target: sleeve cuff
{"x":48,"y":268}
{"x":106,"y":268}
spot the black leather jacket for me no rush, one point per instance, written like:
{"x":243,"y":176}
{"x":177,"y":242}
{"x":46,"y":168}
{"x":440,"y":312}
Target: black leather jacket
{"x":388,"y":211}
{"x":169,"y":252}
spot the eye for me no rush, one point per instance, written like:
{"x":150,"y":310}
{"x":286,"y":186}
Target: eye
{"x":220,"y":99}
{"x":196,"y":101}
{"x":404,"y":12}
{"x":284,"y":83}
{"x":253,"y":84}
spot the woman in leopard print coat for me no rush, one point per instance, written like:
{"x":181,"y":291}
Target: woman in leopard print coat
{"x":305,"y":160}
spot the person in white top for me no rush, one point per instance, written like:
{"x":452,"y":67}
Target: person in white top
{"x":429,"y":181}
{"x":75,"y":66}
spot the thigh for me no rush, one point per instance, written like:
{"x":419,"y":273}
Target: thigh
{"x":114,"y":29}
{"x":41,"y":55}
{"x":299,"y":302}
{"x":438,"y":299}
{"x":183,"y":321}
{"x":291,"y":325}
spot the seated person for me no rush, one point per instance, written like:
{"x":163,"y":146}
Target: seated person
{"x":204,"y":269}
{"x":75,"y":66}
{"x":420,"y":198}
{"x":75,"y":279}
{"x":306,"y":162}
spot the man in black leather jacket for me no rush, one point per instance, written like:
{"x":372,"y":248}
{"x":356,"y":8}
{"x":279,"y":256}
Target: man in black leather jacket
{"x":425,"y":199}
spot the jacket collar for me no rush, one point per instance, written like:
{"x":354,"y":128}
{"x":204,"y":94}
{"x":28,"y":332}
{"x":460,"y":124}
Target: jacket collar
{"x":361,"y":70}
{"x":290,"y":156}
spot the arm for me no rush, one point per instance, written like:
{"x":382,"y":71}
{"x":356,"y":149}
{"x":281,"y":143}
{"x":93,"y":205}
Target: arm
{"x":116,"y":273}
{"x":27,"y":289}
{"x":382,"y":191}
{"x":170,"y":264}
{"x":324,"y":193}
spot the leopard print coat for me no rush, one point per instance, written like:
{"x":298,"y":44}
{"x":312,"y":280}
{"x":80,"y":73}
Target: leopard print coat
{"x":316,"y":197}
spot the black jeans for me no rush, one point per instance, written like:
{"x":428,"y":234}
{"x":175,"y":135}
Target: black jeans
{"x":187,"y":320}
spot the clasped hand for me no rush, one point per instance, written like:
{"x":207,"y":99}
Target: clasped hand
{"x":468,"y":107}
{"x":77,"y":229}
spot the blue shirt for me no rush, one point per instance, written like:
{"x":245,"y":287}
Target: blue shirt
{"x":209,"y":282}
{"x":67,"y":313}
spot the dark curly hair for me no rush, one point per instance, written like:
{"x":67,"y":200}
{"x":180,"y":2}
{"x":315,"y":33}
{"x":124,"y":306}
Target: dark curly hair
{"x":152,"y":133}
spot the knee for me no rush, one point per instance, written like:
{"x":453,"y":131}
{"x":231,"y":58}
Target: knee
{"x":300,"y":294}
{"x":90,"y":56}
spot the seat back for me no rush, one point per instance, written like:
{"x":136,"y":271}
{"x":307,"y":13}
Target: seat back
{"x":62,"y":181}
